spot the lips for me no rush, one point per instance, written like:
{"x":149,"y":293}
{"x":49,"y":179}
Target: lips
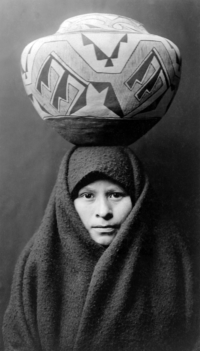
{"x":106,"y":229}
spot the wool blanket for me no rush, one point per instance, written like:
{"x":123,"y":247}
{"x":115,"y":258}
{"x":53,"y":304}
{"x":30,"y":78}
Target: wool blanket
{"x":71,"y":294}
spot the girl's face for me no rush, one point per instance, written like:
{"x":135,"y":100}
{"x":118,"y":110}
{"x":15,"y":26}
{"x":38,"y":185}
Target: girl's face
{"x":103,"y":206}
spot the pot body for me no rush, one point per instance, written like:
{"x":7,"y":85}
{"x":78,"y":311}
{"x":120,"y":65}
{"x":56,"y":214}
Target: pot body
{"x":101,"y":75}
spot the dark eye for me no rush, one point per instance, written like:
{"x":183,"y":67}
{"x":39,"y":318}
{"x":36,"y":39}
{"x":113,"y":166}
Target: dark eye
{"x":87,"y":196}
{"x":116,"y":195}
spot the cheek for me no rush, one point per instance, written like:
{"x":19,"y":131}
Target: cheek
{"x":124,"y":209}
{"x":83,"y":212}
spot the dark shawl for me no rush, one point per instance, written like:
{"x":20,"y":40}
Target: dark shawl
{"x":69,"y":293}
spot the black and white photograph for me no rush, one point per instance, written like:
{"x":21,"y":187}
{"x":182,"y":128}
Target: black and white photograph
{"x":99,"y":175}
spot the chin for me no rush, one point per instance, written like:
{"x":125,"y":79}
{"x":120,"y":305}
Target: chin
{"x":106,"y":241}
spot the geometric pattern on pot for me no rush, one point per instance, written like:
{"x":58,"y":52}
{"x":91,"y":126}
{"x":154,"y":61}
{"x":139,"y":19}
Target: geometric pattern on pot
{"x":101,"y":66}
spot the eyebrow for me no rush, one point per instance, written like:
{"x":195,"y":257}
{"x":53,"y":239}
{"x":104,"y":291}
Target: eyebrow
{"x":113,"y":188}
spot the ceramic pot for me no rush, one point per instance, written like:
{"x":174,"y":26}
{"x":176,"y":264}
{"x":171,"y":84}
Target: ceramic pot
{"x":101,"y":79}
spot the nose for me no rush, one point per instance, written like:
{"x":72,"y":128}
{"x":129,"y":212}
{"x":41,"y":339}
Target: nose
{"x":104,"y":208}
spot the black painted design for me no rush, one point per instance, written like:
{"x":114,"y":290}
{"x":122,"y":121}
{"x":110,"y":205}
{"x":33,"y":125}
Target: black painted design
{"x":92,"y":26}
{"x":111,"y":101}
{"x":146,"y":86}
{"x":81,"y":102}
{"x":44,"y":74}
{"x":31,"y":97}
{"x":100,"y":55}
{"x":116,"y":50}
{"x":44,"y":109}
{"x":149,"y":85}
{"x":59,"y":90}
{"x":153,"y":106}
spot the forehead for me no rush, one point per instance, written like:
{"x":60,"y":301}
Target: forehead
{"x":102,"y":185}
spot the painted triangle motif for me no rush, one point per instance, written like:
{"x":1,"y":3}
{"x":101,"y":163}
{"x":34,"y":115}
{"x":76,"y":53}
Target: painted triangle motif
{"x":100,"y":55}
{"x":110,"y":101}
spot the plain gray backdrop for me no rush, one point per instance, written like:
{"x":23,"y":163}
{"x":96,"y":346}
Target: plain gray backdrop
{"x":30,"y":152}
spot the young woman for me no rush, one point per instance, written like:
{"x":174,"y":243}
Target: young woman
{"x":105,"y":271}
